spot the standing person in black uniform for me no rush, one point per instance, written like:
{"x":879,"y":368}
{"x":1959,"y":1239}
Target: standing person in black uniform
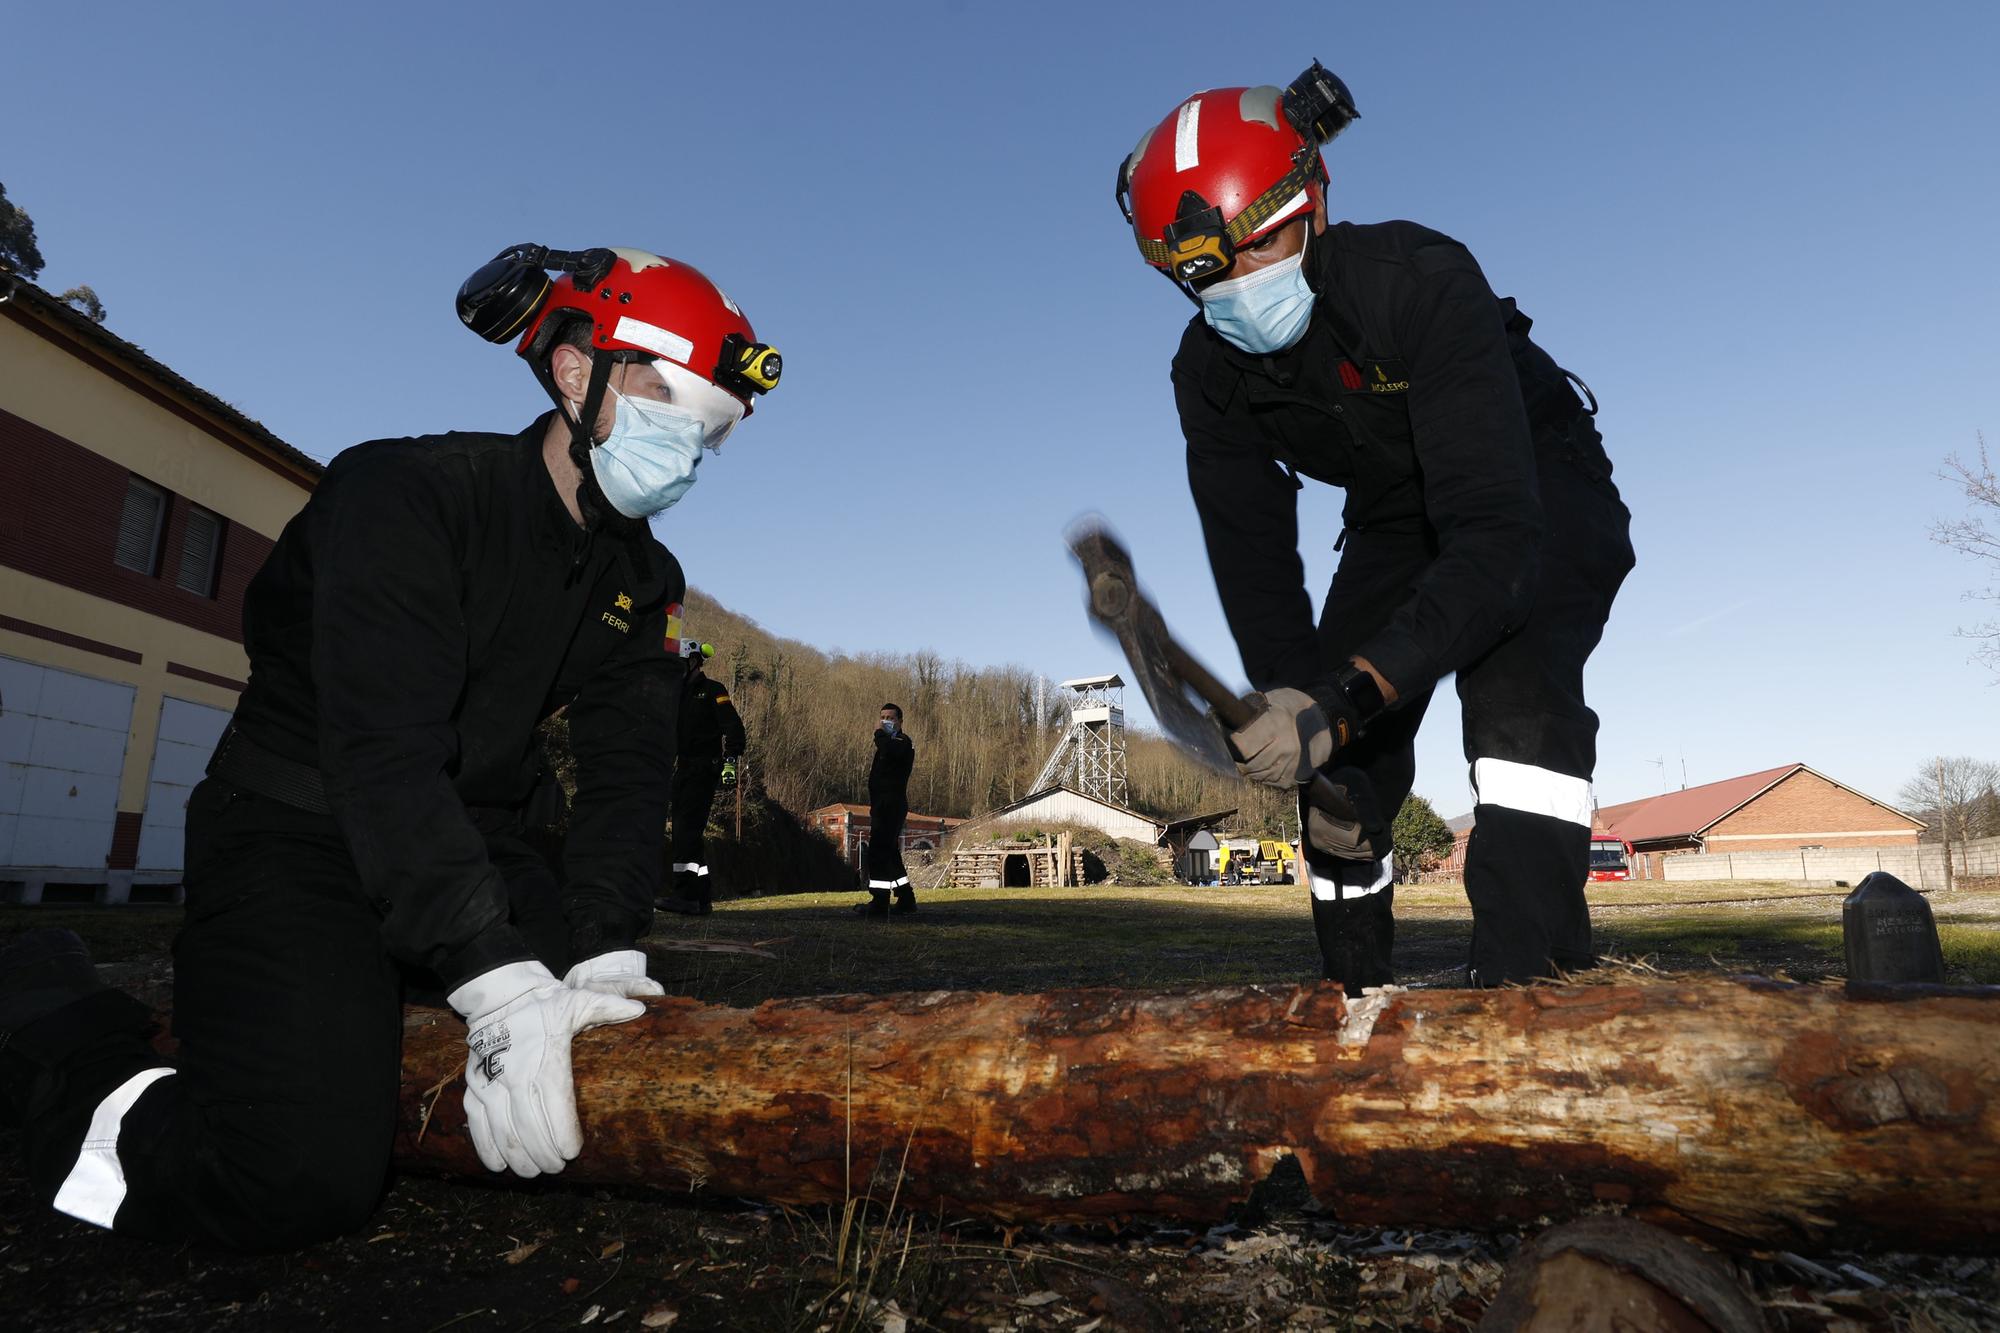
{"x":711,"y":739}
{"x":433,"y":602}
{"x":1483,"y":533}
{"x":888,"y":807}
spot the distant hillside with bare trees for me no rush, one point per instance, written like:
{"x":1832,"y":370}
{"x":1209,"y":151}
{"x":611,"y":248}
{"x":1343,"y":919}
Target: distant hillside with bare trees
{"x":982,"y":733}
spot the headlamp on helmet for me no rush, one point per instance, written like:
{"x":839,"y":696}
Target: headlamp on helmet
{"x":748,"y":367}
{"x":1198,"y":241}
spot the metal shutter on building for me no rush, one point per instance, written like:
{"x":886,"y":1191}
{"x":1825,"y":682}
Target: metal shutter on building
{"x":199,"y":545}
{"x":139,"y":526}
{"x":187,"y":736}
{"x":62,"y":755}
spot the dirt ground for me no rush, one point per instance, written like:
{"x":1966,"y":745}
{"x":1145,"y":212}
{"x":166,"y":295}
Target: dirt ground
{"x":444,"y":1254}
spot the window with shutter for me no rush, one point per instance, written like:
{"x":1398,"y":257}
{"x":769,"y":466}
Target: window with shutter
{"x":139,"y":526}
{"x":200,"y":544}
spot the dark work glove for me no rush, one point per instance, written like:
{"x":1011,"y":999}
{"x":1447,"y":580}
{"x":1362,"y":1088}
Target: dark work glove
{"x":1285,"y":742}
{"x":1366,"y":839}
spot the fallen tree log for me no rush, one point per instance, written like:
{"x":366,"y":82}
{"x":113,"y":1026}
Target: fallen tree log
{"x":1744,"y":1111}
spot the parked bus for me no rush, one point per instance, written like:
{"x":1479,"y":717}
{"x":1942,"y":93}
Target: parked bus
{"x":1610,"y":857}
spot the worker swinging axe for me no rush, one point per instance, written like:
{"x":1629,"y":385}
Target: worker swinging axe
{"x":1194,"y":708}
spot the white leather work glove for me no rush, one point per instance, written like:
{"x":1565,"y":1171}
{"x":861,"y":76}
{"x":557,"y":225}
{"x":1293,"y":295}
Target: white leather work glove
{"x":621,"y":972}
{"x":1285,"y":743}
{"x":520,"y":1096}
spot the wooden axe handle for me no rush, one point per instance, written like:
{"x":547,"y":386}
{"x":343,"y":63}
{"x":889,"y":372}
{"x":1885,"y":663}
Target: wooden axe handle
{"x":1236,"y":713}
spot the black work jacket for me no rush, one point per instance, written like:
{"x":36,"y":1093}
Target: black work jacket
{"x":710,"y":726}
{"x":1420,"y":394}
{"x":427,"y":609}
{"x":889,"y":774}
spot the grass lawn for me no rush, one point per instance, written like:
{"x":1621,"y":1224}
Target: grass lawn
{"x":449,"y":1254}
{"x":1040,"y":939}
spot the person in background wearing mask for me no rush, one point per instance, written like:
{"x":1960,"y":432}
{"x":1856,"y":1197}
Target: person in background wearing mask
{"x":888,"y":807}
{"x":1483,"y":533}
{"x":711,"y":738}
{"x":433,"y":602}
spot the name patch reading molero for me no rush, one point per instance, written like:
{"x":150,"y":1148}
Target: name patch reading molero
{"x":1372,"y":376}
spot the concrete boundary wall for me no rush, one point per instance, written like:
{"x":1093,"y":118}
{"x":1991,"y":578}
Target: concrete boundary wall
{"x":1920,"y":866}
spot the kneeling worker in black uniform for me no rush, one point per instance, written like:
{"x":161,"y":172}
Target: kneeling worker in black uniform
{"x":1483,"y":533}
{"x":432,"y":603}
{"x":888,"y":807}
{"x":711,"y":740}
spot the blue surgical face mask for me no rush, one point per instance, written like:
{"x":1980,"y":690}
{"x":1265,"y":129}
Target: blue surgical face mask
{"x":1263,"y":312}
{"x":889,"y":725}
{"x":647,"y":462}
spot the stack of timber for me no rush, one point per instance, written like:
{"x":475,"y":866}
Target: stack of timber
{"x":1744,"y":1111}
{"x":1046,"y":864}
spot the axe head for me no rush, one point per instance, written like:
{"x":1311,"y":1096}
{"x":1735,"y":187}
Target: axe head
{"x":1116,"y":604}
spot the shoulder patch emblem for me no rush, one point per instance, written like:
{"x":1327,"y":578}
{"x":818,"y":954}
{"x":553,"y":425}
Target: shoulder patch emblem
{"x":623,"y":601}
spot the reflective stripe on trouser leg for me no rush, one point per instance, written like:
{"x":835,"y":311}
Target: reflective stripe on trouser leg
{"x":900,"y":882}
{"x":690,"y":868}
{"x":1357,"y":938}
{"x":1524,"y":871}
{"x":95,"y":1186}
{"x":1531,"y":790}
{"x":1343,"y":880}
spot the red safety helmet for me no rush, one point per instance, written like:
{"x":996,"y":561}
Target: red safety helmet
{"x":662,"y":308}
{"x":1228,"y":166}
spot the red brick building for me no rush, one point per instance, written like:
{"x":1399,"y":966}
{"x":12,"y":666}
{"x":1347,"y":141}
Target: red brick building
{"x":134,"y":509}
{"x":1790,"y":808}
{"x":847,"y":827}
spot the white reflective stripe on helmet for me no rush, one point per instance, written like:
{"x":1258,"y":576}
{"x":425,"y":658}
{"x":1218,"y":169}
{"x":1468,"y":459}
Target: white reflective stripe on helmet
{"x":1531,"y":790}
{"x":1187,"y":136}
{"x":96,"y":1184}
{"x":1293,"y":205}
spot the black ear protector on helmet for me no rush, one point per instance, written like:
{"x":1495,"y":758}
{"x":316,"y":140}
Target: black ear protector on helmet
{"x":1197,"y":242}
{"x":498,"y":301}
{"x":1319,"y":105}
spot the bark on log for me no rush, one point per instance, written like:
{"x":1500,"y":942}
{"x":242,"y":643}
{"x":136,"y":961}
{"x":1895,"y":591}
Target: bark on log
{"x":1742,"y":1110}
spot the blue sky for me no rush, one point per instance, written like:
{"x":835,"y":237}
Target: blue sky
{"x":1762,"y":233}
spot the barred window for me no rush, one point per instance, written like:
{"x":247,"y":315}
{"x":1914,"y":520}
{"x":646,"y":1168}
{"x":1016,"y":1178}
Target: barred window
{"x":201,"y":543}
{"x":139,"y":527}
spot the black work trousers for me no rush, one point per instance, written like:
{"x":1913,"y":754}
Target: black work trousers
{"x":274,"y":1130}
{"x":694,"y":795}
{"x":1530,"y":738}
{"x":884,"y":860}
